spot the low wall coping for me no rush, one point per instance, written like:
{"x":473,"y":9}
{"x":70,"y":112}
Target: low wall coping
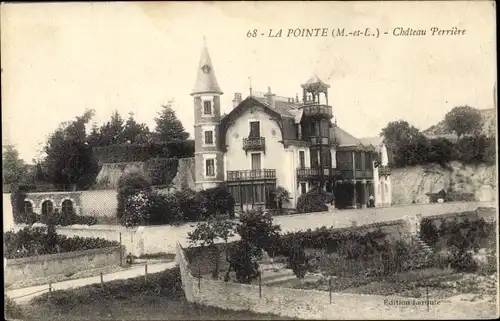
{"x":59,"y":256}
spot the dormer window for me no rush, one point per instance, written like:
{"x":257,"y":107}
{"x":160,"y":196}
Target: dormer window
{"x":207,"y":107}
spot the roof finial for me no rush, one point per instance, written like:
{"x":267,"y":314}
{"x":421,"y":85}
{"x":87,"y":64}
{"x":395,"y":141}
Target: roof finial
{"x":205,"y":40}
{"x":250,"y":81}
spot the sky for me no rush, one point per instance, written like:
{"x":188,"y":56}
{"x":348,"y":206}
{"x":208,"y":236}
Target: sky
{"x":59,"y":59}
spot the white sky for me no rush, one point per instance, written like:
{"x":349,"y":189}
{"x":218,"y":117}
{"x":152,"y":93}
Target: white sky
{"x":59,"y":59}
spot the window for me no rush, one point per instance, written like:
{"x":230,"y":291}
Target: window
{"x":209,"y":137}
{"x":67,"y":207}
{"x":326,"y":158}
{"x":47,"y":207}
{"x":207,"y":107}
{"x":303,"y":188}
{"x":314,"y":158}
{"x":314,"y":128}
{"x":325,"y":129}
{"x":254,"y":129}
{"x":368,"y":161}
{"x":302,"y":157}
{"x":256,"y":161}
{"x":210,"y":167}
{"x":28,"y":207}
{"x":358,"y":160}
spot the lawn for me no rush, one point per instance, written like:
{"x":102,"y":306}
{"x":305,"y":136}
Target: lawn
{"x":159,"y":298}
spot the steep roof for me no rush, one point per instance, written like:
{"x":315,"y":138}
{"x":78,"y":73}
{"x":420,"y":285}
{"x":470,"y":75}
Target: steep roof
{"x":206,"y":82}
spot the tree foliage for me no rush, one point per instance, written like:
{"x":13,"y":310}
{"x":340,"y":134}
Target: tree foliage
{"x":463,"y":120}
{"x":70,"y":160}
{"x":135,"y":132}
{"x":13,"y":168}
{"x":208,"y":232}
{"x":168,"y":126}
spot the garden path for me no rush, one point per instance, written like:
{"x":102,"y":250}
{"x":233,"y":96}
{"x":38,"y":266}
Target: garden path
{"x":26,"y":294}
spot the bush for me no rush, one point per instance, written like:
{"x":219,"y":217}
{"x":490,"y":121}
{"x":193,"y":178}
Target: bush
{"x":243,"y":262}
{"x":12,"y":309}
{"x":128,"y":186}
{"x":60,"y":219}
{"x":463,"y":262}
{"x":17,"y":197}
{"x":162,"y":170}
{"x":312,"y":201}
{"x":216,"y":200}
{"x":298,"y":262}
{"x":41,"y":241}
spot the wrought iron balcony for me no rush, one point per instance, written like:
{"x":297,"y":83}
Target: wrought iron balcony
{"x":384,"y":170}
{"x":253,"y":174}
{"x":364,"y":174}
{"x":317,"y":110}
{"x":254,"y":143}
{"x":304,"y":173}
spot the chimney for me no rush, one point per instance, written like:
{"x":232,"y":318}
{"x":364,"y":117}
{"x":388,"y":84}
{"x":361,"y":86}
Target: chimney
{"x":270,"y":97}
{"x":236,"y":99}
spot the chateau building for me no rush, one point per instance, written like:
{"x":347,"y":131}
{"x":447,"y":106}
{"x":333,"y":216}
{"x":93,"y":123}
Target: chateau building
{"x":268,"y":141}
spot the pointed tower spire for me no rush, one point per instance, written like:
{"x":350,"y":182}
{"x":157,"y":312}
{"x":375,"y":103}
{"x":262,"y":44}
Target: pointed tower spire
{"x":206,"y":82}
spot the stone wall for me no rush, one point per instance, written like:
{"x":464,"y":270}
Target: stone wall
{"x":61,"y":263}
{"x":303,"y":304}
{"x":412,"y":183}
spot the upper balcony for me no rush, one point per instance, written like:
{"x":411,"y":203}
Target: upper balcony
{"x":252,"y":174}
{"x":307,"y":173}
{"x":254,"y":143}
{"x":313,"y":109}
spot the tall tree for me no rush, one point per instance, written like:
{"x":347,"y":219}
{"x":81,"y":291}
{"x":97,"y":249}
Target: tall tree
{"x":463,"y":120}
{"x":70,"y":160}
{"x":111,"y":133}
{"x":13,"y":168}
{"x":168,"y":126}
{"x":134,"y":132}
{"x":405,"y":143}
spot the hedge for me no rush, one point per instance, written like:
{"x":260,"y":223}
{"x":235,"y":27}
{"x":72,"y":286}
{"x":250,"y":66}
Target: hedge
{"x":143,"y":152}
{"x":468,"y":150}
{"x":37,"y":241}
{"x":59,"y":219}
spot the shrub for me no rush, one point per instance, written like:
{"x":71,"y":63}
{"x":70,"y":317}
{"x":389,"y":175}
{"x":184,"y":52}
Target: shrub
{"x":440,"y":151}
{"x":136,"y":211}
{"x":312,"y":201}
{"x":243,"y":262}
{"x":12,"y":309}
{"x":129,"y":185}
{"x":463,"y":261}
{"x":162,"y":170}
{"x":298,"y":262}
{"x":216,"y":200}
{"x":40,"y":241}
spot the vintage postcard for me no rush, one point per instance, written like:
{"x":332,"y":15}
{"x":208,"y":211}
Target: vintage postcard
{"x":249,"y":160}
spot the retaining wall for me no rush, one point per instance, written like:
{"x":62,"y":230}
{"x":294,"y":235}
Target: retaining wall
{"x":61,"y":263}
{"x":310,"y":304}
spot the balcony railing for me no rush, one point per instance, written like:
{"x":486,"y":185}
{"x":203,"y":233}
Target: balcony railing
{"x":384,"y":170}
{"x":254,"y":143}
{"x":317,"y":110}
{"x":253,"y":174}
{"x":364,"y":174}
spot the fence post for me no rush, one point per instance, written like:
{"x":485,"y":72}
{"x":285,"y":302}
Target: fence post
{"x":427,"y":295}
{"x":146,"y":272}
{"x":199,"y":276}
{"x":50,"y":290}
{"x":102,"y":281}
{"x":330,"y":287}
{"x":260,"y":286}
{"x":121,"y":250}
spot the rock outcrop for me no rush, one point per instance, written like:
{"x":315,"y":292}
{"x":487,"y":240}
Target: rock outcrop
{"x":411,"y":184}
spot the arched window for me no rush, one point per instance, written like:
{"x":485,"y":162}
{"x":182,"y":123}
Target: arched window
{"x":28,"y":207}
{"x":47,"y":207}
{"x":67,"y":207}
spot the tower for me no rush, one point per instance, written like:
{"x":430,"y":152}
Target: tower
{"x":209,"y":164}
